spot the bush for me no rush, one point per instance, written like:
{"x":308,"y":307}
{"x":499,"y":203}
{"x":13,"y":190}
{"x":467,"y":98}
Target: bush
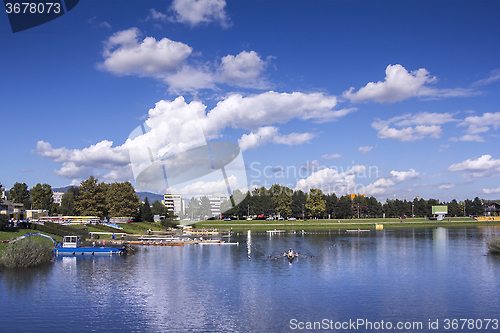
{"x":25,"y":253}
{"x":494,"y":245}
{"x":4,"y":221}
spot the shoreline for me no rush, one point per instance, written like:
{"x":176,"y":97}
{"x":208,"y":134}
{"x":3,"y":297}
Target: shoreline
{"x":343,"y":225}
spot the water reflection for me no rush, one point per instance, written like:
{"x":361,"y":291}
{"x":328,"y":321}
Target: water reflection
{"x":396,"y":275}
{"x":249,"y":244}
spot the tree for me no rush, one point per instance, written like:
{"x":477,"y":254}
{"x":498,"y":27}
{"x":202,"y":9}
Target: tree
{"x":19,"y":193}
{"x":146,"y":214}
{"x":68,"y":202}
{"x":467,"y":207}
{"x":281,"y":197}
{"x":344,"y":207}
{"x":122,"y":201}
{"x":316,"y":202}
{"x":91,"y":200}
{"x":159,"y":209}
{"x":4,"y":220}
{"x":477,"y":207}
{"x":41,"y":196}
{"x":193,"y":208}
{"x":204,"y":209}
{"x":454,"y":208}
{"x":299,"y":199}
{"x":331,"y":204}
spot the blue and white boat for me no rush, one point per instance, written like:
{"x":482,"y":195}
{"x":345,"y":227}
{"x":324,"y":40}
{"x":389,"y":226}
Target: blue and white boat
{"x":71,"y":245}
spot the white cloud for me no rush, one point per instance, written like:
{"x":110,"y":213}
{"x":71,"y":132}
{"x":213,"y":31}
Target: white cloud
{"x":493,"y":77}
{"x":172,"y":127}
{"x":203,"y":188}
{"x":243,"y":69}
{"x":80,"y":163}
{"x":365,"y":150}
{"x":491,"y":190}
{"x":385,"y":185}
{"x":194,"y":12}
{"x":468,"y":137}
{"x":175,"y":126}
{"x":399,"y":85}
{"x":446,"y":186}
{"x":75,"y":182}
{"x":189,"y":79}
{"x":427,"y":125}
{"x":379,"y":187}
{"x":331,"y":180}
{"x":126,"y":54}
{"x":400,"y":176}
{"x":156,"y":15}
{"x":410,"y":133}
{"x":270,"y":134}
{"x":104,"y":24}
{"x":477,"y":167}
{"x":331,"y":156}
{"x":270,"y":108}
{"x":477,"y":126}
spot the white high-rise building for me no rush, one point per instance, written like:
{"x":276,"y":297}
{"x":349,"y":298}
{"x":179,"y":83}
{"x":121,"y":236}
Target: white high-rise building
{"x":174,"y":203}
{"x":57,"y":197}
{"x":215,"y":201}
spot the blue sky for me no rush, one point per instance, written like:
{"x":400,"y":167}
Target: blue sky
{"x":387,"y":98}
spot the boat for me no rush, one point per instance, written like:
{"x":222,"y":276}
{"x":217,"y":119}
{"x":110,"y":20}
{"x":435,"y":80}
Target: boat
{"x":275,"y":231}
{"x":158,"y":243}
{"x":290,"y":255}
{"x":71,"y":245}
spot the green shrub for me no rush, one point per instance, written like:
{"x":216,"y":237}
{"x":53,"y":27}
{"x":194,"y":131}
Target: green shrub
{"x":25,"y":253}
{"x":4,"y":221}
{"x":494,"y":245}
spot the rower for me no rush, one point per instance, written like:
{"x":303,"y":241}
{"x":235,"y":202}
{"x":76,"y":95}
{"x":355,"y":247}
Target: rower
{"x":290,"y":253}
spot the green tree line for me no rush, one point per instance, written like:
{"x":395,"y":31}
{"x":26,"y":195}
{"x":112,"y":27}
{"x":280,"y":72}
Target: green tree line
{"x":92,"y":198}
{"x":283,"y":201}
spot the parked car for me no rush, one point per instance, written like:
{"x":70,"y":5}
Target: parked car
{"x":292,"y":219}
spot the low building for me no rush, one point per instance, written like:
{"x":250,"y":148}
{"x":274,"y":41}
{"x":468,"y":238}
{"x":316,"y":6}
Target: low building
{"x":491,"y":207}
{"x":35,"y":214}
{"x":13,"y":210}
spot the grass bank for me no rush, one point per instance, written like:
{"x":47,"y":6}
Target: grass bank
{"x":25,"y":253}
{"x":346,"y":224}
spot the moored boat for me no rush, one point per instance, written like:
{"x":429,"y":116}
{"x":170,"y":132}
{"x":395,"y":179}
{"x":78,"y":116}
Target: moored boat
{"x":72,"y":246}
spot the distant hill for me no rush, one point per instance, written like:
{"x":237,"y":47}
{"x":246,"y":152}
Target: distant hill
{"x":62,"y":189}
{"x":152,"y":197}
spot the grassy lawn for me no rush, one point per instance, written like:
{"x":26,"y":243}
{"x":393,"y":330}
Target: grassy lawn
{"x":20,"y":232}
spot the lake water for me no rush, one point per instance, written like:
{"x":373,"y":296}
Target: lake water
{"x":427,"y":276}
